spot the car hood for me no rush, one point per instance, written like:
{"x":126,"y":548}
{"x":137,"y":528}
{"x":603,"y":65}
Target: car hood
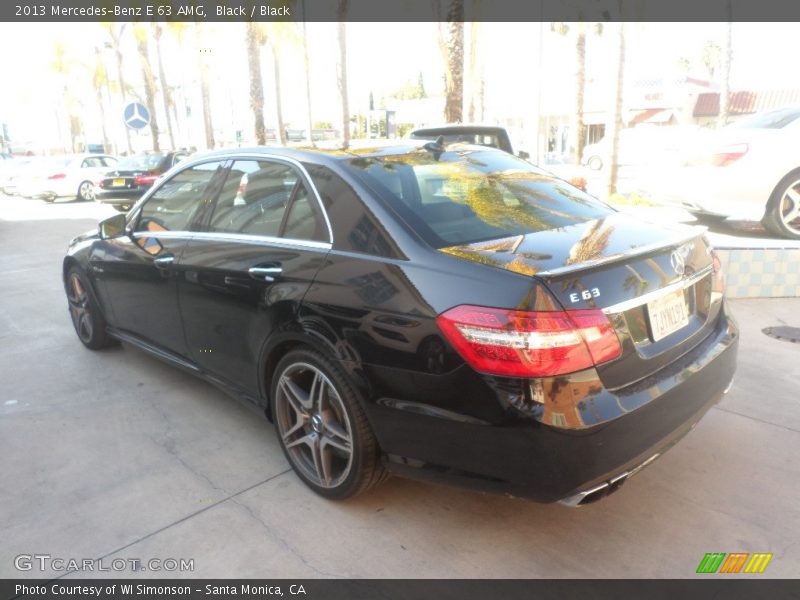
{"x":590,"y":242}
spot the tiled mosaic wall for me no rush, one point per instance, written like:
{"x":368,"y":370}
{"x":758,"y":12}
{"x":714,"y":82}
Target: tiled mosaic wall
{"x":762,"y":272}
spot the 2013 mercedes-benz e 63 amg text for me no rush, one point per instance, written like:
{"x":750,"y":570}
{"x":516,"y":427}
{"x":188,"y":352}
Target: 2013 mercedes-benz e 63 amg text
{"x":440,"y":312}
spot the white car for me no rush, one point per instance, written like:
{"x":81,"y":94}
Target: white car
{"x":749,"y":170}
{"x":71,"y":176}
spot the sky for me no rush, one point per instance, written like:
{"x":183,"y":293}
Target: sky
{"x":521,"y":63}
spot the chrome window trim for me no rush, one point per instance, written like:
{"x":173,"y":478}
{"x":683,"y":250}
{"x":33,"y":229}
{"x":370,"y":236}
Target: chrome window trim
{"x":233,"y":156}
{"x":236,"y":238}
{"x":676,"y":241}
{"x":682,"y":284}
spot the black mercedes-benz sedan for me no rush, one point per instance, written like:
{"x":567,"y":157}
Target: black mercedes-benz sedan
{"x":441,"y":312}
{"x":133,"y":176}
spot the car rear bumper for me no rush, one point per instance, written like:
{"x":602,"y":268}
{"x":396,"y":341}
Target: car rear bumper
{"x":117,"y":197}
{"x":524,"y":457}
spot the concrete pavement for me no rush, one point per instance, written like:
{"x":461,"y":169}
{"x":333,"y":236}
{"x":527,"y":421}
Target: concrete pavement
{"x":114,"y":454}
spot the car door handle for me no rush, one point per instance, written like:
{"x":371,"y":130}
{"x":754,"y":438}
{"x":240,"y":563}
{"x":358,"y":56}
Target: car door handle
{"x":162,"y":262}
{"x":264,"y":273}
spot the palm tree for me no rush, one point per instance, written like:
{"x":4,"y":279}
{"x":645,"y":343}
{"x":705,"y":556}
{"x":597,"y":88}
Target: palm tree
{"x":99,"y":81}
{"x":725,"y":84}
{"x":204,"y":91}
{"x":341,"y":13}
{"x":143,"y":47}
{"x":255,"y":39}
{"x":166,"y":92}
{"x":278,"y":105}
{"x":307,"y":70}
{"x":63,"y":65}
{"x":475,"y":75}
{"x":451,"y":45}
{"x":616,"y":126}
{"x":116,"y":46}
{"x":578,"y":127}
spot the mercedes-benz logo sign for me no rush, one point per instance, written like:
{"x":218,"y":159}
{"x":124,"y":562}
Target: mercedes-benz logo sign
{"x":677,"y":262}
{"x":136,"y":116}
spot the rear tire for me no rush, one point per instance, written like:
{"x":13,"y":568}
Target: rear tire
{"x":86,"y":191}
{"x":84,"y":310}
{"x":782,"y":217}
{"x":595,"y":163}
{"x":321,"y":426}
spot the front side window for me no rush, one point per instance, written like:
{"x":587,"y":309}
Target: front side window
{"x":268,"y":199}
{"x":173,"y":205}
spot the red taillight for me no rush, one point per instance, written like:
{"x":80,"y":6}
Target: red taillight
{"x":529,"y":344}
{"x":58,"y":176}
{"x":728,"y":154}
{"x":100,"y":184}
{"x":145,"y":179}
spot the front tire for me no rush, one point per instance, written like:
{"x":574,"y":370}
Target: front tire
{"x":783,"y":209}
{"x":321,"y":426}
{"x":87,"y":318}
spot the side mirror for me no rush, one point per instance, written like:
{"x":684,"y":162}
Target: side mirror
{"x":113,"y":227}
{"x":523,"y":155}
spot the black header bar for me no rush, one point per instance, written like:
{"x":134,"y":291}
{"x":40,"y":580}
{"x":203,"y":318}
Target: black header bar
{"x":397,"y":10}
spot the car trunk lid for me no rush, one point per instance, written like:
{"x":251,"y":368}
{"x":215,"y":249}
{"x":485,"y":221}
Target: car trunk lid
{"x":653,"y":282}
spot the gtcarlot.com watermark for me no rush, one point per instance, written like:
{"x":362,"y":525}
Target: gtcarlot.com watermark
{"x":47,"y":562}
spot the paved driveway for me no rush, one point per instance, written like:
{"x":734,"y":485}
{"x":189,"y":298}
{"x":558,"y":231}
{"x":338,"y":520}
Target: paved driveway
{"x":113,"y":454}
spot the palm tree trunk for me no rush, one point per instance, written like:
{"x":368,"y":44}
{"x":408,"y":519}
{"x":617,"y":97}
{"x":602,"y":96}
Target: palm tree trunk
{"x":166,"y":94}
{"x":725,"y":84}
{"x":122,"y":92}
{"x":578,"y":127}
{"x":101,"y":78}
{"x":256,"y":82}
{"x":342,"y":34}
{"x":278,"y":106}
{"x":617,"y":123}
{"x":474,"y":84}
{"x":143,"y":45}
{"x":454,"y":76}
{"x":204,"y":92}
{"x":309,"y":121}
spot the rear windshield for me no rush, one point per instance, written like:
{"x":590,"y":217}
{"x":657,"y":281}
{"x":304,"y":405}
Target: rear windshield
{"x":140,"y":162}
{"x":774,"y":119}
{"x":470,"y":195}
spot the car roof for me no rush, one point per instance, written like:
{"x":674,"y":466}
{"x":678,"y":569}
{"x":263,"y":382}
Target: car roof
{"x":333,"y":153}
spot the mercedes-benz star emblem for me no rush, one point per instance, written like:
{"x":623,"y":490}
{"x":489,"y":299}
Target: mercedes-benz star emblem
{"x":677,"y":261}
{"x":134,"y":118}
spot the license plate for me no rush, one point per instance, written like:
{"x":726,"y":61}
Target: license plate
{"x":668,"y":314}
{"x":118,"y":183}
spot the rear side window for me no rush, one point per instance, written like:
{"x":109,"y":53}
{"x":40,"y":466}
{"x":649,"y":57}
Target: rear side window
{"x":269,"y":199}
{"x":466,"y":196}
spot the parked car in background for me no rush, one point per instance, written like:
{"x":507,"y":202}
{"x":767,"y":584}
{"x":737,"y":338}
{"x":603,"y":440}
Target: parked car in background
{"x":133,"y":176}
{"x":19,"y":172}
{"x":748,"y":170}
{"x":645,"y":146}
{"x":442,"y":312}
{"x":492,"y":136}
{"x":69,"y":176}
{"x":483,"y":135}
